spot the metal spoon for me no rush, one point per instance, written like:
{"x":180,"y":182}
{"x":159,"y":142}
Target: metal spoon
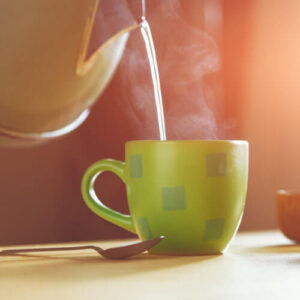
{"x":112,"y":253}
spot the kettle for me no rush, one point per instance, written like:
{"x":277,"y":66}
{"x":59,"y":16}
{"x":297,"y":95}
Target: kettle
{"x":56,"y":58}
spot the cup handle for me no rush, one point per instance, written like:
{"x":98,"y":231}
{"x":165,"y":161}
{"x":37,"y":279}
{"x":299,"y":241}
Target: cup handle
{"x":91,"y":199}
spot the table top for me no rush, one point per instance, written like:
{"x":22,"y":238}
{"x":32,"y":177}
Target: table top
{"x":257,"y":265}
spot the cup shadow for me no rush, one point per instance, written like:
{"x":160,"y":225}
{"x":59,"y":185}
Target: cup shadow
{"x":281,"y":248}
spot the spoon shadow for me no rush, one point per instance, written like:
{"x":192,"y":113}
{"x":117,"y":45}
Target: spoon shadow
{"x":86,"y":267}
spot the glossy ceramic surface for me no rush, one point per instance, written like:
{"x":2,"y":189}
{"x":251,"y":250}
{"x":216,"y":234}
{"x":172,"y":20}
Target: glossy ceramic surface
{"x":191,"y":192}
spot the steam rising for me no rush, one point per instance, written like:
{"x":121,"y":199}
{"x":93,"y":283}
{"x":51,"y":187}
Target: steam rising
{"x":185,"y":56}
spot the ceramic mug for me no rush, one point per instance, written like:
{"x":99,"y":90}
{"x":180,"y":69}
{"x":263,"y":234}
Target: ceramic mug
{"x":191,"y":192}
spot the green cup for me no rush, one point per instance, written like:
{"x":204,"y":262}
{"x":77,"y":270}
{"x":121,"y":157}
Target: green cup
{"x":191,"y":192}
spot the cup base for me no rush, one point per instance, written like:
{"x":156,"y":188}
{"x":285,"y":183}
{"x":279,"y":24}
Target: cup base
{"x":204,"y":253}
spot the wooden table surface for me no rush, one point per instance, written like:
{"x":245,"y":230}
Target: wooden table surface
{"x":258,"y":265}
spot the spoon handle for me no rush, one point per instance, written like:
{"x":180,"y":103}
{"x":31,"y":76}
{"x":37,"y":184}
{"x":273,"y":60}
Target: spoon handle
{"x":13,"y":251}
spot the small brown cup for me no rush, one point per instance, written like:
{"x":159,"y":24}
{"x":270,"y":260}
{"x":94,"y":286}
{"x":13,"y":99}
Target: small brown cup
{"x":288,"y":214}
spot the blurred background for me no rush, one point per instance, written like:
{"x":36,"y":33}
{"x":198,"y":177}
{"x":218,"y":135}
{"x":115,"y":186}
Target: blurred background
{"x":229,"y":70}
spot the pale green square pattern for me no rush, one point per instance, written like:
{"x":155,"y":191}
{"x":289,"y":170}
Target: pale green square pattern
{"x":173,"y":198}
{"x":136,"y":166}
{"x":144,"y":227}
{"x":216,"y":164}
{"x":214,"y":229}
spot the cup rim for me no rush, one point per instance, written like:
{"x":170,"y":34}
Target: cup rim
{"x":188,"y":141}
{"x":288,"y":193}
